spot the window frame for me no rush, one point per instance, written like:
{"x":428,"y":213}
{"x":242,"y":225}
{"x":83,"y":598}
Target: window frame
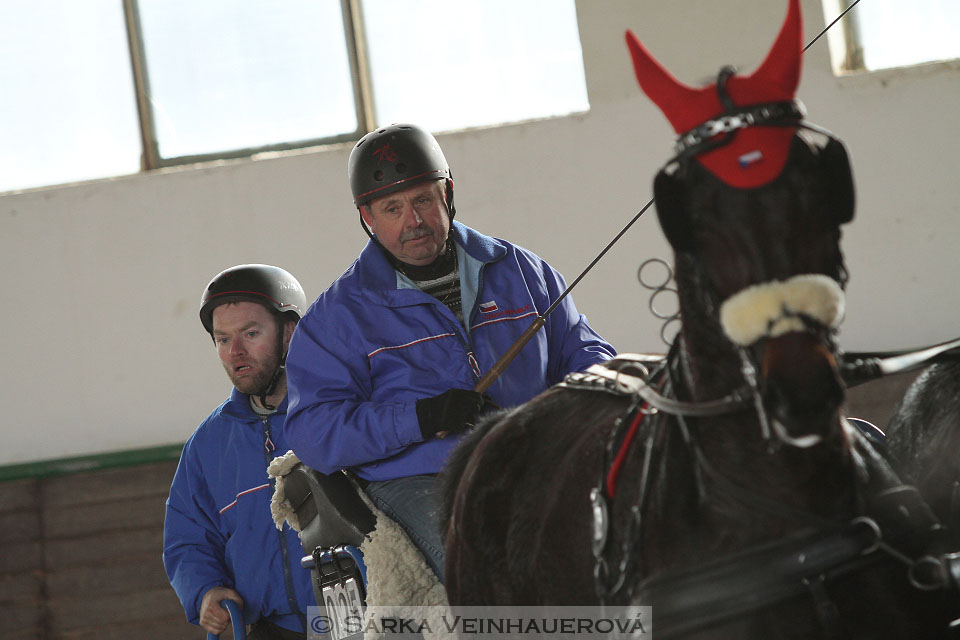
{"x":847,"y":52}
{"x":359,"y":71}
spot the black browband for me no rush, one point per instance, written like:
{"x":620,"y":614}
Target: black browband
{"x":717,"y":131}
{"x":702,"y":138}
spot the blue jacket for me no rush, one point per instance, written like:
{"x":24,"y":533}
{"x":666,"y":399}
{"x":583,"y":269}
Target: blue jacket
{"x":218,"y":530}
{"x":372,"y":344}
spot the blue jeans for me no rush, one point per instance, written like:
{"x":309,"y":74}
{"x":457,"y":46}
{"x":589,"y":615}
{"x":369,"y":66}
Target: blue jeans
{"x":413,"y":503}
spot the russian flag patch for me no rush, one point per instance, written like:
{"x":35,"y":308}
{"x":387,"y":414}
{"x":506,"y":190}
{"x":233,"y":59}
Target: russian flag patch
{"x":487,"y":307}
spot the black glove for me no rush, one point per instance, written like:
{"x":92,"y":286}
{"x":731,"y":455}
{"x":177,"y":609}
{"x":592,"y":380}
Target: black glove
{"x":454,"y":410}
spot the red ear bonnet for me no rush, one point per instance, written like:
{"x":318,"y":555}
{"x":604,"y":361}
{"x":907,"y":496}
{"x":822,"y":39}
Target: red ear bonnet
{"x":757,"y":154}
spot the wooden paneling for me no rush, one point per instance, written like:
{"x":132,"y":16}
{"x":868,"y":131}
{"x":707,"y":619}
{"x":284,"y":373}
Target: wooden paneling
{"x":80,"y":558}
{"x":101,"y":547}
{"x":19,"y":495}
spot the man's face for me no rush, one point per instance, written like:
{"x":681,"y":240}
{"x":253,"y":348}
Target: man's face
{"x":246,"y":337}
{"x":413,"y":223}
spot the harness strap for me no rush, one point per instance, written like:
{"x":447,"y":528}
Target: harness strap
{"x":614,"y":377}
{"x":860,"y":367}
{"x":826,"y":609}
{"x":613,"y":473}
{"x":706,"y":594}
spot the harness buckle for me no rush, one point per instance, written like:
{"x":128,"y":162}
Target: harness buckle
{"x":601,"y":521}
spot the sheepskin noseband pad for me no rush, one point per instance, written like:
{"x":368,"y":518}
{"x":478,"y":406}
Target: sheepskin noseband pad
{"x":770,"y":309}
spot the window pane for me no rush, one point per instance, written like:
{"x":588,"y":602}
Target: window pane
{"x":67,"y":105}
{"x":895,"y":33}
{"x":236,"y":74}
{"x":450,"y":64}
{"x":882,"y":34}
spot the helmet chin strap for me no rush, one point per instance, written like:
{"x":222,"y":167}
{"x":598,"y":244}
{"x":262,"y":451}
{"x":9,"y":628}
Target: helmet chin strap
{"x":394,"y":262}
{"x":363,"y":224}
{"x":452,"y":210}
{"x":275,"y":380}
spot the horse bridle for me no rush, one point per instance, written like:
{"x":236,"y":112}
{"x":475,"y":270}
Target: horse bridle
{"x":708,"y":136}
{"x":898,"y":526}
{"x":720,"y":130}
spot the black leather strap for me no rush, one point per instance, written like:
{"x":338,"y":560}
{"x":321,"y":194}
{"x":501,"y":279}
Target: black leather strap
{"x":703,"y":137}
{"x":743,"y":582}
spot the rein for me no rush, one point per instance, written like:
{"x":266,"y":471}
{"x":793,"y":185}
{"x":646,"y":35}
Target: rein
{"x":860,"y":367}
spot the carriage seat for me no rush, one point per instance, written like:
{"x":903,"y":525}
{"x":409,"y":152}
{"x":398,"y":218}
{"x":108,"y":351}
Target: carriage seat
{"x":329,"y":508}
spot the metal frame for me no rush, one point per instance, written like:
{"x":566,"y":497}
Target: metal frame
{"x":852,"y":41}
{"x":150,"y":157}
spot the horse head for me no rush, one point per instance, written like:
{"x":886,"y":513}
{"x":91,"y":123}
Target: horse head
{"x":752,"y":208}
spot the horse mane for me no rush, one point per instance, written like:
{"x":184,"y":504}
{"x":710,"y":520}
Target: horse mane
{"x":453,"y":470}
{"x":922,"y":437}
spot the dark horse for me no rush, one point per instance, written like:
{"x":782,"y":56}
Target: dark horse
{"x":923,"y":438}
{"x":721,"y":484}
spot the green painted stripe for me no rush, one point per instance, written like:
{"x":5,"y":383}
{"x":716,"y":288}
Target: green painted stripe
{"x":97,"y":461}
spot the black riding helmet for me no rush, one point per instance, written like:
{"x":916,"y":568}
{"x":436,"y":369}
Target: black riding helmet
{"x":270,"y":286}
{"x":392,"y":158}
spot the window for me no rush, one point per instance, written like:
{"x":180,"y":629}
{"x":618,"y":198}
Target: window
{"x":473,"y":63}
{"x":67,"y":104}
{"x":107,"y":87}
{"x":883,"y":34}
{"x":222,"y":75}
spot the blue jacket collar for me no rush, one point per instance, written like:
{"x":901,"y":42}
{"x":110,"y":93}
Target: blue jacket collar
{"x":378,"y":278}
{"x":238,"y":405}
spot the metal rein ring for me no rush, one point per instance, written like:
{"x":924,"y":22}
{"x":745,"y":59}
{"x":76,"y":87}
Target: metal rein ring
{"x":658,"y":288}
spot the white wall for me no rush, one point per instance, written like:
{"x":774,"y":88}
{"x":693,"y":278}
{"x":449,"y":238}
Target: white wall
{"x":103,"y":349}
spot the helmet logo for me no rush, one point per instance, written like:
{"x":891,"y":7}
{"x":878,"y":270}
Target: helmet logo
{"x":385,"y":153}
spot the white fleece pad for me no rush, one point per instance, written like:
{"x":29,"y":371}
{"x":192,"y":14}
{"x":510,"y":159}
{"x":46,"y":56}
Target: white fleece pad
{"x":399,"y":582}
{"x":280,"y":507}
{"x":771,"y":309}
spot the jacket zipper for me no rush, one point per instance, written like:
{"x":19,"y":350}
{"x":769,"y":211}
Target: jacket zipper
{"x":268,"y":449}
{"x":460,"y":331}
{"x":471,"y":359}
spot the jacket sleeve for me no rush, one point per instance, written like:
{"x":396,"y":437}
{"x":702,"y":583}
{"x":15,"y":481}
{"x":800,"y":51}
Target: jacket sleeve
{"x":332,"y":423}
{"x":193,"y":547}
{"x":573,"y":344}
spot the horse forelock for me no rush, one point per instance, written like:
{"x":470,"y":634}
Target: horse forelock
{"x":746,"y":237}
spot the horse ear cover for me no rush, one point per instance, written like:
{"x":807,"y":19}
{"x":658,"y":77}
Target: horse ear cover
{"x":775,"y":80}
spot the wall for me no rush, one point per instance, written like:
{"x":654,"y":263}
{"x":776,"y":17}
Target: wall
{"x":103,"y":350}
{"x":81,"y":558}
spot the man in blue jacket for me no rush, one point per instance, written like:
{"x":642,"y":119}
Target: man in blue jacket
{"x":219,"y":539}
{"x":383,"y":365}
